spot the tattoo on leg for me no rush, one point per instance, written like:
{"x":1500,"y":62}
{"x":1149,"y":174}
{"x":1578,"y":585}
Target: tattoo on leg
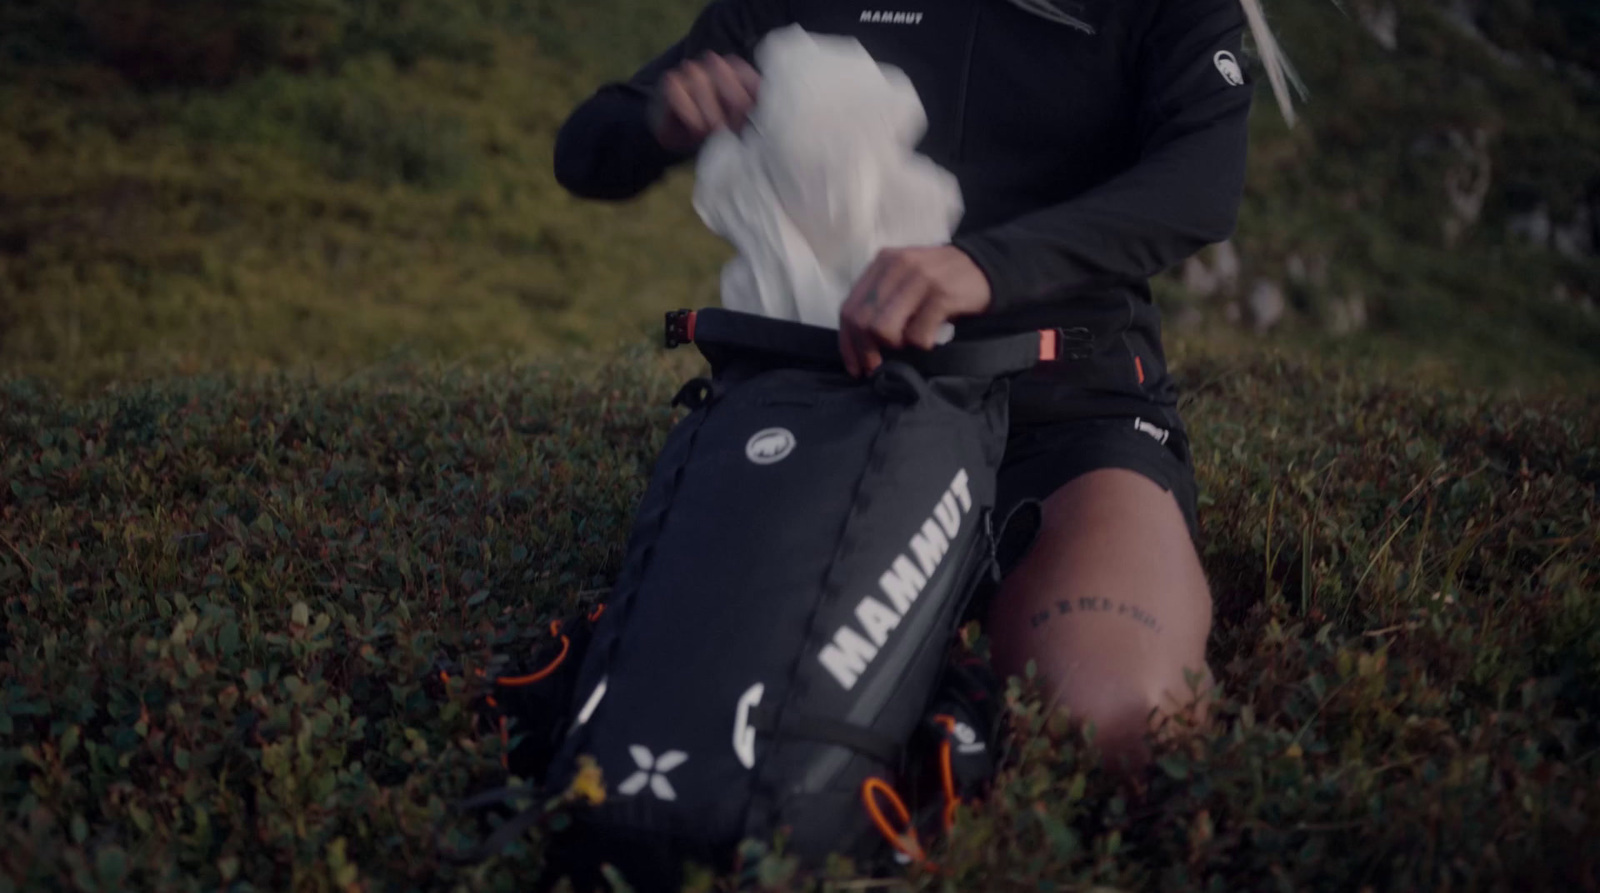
{"x":1097,"y":606}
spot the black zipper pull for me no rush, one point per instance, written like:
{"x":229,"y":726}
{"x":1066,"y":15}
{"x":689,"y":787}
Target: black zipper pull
{"x":966,"y":79}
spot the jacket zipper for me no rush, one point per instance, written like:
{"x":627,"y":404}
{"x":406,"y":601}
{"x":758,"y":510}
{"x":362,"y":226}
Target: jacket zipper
{"x":966,"y":78}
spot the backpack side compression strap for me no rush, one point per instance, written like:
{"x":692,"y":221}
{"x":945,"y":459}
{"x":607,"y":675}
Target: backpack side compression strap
{"x":880,"y":747}
{"x":718,"y":329}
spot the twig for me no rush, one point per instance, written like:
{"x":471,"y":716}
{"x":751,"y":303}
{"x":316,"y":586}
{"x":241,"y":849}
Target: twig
{"x":1355,"y":590}
{"x":1330,"y":826}
{"x":1587,"y":756}
{"x":1407,"y":626}
{"x":18,"y":552}
{"x":1326,"y":700}
{"x":1266,"y":582}
{"x":1553,"y":555}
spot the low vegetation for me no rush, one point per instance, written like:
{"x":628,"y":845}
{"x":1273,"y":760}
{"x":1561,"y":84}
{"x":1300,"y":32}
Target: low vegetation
{"x":223,"y":597}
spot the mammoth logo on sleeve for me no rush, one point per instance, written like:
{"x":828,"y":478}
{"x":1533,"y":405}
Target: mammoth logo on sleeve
{"x":1229,"y":66}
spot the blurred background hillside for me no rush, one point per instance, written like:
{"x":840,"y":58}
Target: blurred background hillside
{"x":194,"y":186}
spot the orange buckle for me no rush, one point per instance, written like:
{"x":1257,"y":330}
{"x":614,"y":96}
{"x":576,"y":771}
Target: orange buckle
{"x":1049,"y":345}
{"x":680,"y":328}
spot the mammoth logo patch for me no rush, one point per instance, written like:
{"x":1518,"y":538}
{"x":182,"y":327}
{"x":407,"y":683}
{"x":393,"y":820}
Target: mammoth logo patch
{"x":769,"y":445}
{"x":1229,"y":66}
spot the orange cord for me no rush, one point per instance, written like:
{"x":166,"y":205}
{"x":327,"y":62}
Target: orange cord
{"x":947,"y":772}
{"x":513,"y":681}
{"x":531,"y":678}
{"x":904,"y":842}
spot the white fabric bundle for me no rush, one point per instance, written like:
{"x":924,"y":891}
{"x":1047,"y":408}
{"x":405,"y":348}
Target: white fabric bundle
{"x":824,"y":177}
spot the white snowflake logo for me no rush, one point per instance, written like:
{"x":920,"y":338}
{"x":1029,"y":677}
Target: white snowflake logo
{"x":653,"y":772}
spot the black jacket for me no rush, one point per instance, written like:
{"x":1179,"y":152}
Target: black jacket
{"x":1088,"y":162}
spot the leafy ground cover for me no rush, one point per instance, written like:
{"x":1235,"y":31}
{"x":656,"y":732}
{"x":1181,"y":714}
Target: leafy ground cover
{"x":221,"y":595}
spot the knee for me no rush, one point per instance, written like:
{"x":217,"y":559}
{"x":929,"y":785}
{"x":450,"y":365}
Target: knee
{"x":1126,"y":710}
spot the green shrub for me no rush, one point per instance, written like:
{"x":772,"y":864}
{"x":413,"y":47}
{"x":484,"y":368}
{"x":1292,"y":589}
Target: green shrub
{"x":220,"y":599}
{"x":371,"y":137}
{"x":39,"y":32}
{"x":182,"y":42}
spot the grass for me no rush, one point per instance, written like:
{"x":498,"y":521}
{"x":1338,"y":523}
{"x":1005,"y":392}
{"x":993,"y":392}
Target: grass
{"x":362,"y":177}
{"x":223,"y":593}
{"x":397,"y":197}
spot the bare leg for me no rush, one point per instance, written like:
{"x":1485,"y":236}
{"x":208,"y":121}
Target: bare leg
{"x":1112,"y":605}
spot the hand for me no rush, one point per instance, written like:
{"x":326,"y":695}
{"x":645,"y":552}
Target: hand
{"x":903,"y":298}
{"x":700,"y":97}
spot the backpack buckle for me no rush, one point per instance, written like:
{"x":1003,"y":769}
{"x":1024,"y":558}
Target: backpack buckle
{"x":679,"y":328}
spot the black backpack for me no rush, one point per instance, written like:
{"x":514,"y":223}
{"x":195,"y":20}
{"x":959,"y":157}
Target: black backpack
{"x":778,"y":655}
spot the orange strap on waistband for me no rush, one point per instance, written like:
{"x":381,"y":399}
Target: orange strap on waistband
{"x":1049,"y":345}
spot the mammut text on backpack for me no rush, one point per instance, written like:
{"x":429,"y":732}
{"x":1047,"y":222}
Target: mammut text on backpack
{"x":849,"y":654}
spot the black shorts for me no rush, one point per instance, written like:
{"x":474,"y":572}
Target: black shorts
{"x":1040,"y":458}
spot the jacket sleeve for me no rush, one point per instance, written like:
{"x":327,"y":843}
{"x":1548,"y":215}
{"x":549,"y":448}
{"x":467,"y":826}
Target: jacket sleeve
{"x":1180,"y":195}
{"x":606,"y":149}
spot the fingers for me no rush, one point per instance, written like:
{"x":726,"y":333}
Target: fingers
{"x":746,"y":73}
{"x":922,"y":330}
{"x":704,"y":91}
{"x":735,"y":92}
{"x":903,"y":299}
{"x":860,"y":356}
{"x":681,"y":105}
{"x":858,"y":303}
{"x":885,"y":296}
{"x":854,"y":316}
{"x":871,"y":358}
{"x":901,"y":293}
{"x":847,"y":350}
{"x":705,"y":95}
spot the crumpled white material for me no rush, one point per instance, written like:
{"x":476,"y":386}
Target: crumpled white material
{"x":824,"y":176}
